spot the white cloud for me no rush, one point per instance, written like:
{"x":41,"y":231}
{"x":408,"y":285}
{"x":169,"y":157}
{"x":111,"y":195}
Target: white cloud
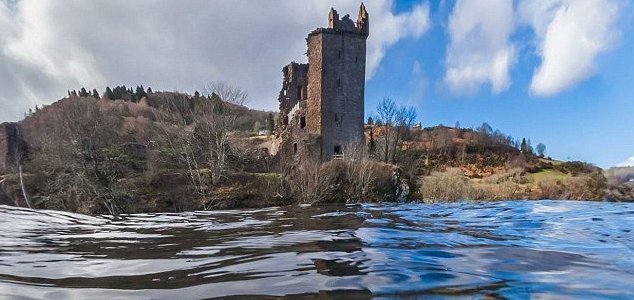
{"x":628,"y":163}
{"x":479,"y":51}
{"x":386,"y":30}
{"x":47,"y":47}
{"x":570,"y":35}
{"x":418,"y":84}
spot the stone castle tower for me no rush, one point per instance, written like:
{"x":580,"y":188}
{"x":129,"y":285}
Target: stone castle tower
{"x":322,"y":102}
{"x":12,"y":146}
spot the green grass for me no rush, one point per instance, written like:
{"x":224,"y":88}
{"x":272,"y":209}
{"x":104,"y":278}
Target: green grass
{"x":548,"y":174}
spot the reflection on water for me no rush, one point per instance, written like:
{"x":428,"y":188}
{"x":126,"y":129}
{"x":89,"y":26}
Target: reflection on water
{"x":515,"y":249}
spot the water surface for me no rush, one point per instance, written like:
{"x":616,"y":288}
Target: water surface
{"x":514,"y":249}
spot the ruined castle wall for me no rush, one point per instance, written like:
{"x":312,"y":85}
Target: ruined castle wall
{"x":4,"y":147}
{"x":336,"y":88}
{"x":12,"y":146}
{"x":295,"y":143}
{"x":294,"y":87}
{"x":292,"y":139}
{"x":315,"y":66}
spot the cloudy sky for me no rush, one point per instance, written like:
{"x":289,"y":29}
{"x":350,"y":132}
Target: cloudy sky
{"x":558,"y":71}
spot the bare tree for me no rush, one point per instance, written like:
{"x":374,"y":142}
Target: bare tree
{"x":213,"y":133}
{"x":396,"y":123}
{"x":405,"y":117}
{"x":312,"y":180}
{"x":81,"y":156}
{"x":358,"y":170}
{"x":19,"y":160}
{"x":203,"y":137}
{"x":386,"y":111}
{"x":226,"y":92}
{"x":443,"y":138}
{"x":541,"y":149}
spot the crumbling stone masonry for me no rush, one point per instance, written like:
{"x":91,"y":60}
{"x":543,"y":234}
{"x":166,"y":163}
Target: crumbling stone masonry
{"x":12,"y":146}
{"x":321,"y":103}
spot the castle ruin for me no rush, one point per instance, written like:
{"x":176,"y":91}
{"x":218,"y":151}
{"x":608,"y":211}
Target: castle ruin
{"x":321,"y":102}
{"x":12,"y":146}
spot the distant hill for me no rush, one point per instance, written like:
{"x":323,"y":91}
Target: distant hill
{"x":626,"y":164}
{"x":135,"y":115}
{"x":620,"y":175}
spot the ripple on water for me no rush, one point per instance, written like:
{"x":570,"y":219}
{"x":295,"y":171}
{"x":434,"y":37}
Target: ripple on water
{"x":514,"y":249}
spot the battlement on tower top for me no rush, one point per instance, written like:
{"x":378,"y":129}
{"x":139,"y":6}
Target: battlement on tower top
{"x":346,"y":24}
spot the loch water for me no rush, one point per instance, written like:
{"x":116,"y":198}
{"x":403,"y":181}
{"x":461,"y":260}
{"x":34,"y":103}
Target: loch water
{"x":507,"y":249}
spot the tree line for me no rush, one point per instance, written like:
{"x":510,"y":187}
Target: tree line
{"x":120,"y":92}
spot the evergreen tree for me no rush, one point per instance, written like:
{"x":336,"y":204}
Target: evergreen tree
{"x":485,"y":129}
{"x":124,"y":93}
{"x":524,"y":146}
{"x":140,"y":92}
{"x":118,"y":92}
{"x":530,"y":147}
{"x":270,"y":122}
{"x":109,"y":94}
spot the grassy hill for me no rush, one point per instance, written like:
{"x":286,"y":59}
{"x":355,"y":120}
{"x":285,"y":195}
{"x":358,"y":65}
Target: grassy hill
{"x":451,"y":164}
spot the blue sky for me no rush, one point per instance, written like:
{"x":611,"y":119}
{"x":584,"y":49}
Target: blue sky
{"x":557,"y":71}
{"x":591,"y":120}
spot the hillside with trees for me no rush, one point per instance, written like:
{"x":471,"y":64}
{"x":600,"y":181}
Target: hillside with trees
{"x":453,"y":163}
{"x":146,"y":151}
{"x":135,"y":150}
{"x":132,"y":151}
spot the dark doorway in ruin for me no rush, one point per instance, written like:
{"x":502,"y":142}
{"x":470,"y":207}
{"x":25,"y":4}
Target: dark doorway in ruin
{"x":338,"y":150}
